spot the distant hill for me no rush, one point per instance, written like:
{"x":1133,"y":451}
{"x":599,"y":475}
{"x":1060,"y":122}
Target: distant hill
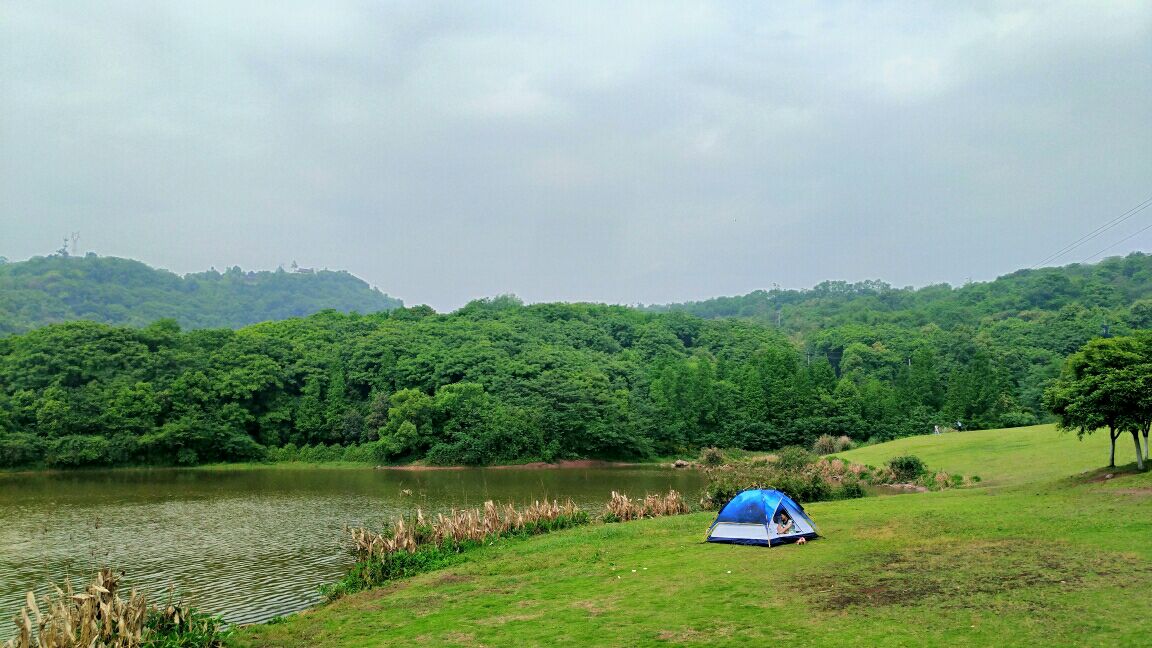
{"x":45,"y":290}
{"x":1117,"y":286}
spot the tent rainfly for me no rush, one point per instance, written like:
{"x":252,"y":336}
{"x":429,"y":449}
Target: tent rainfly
{"x":759,"y":517}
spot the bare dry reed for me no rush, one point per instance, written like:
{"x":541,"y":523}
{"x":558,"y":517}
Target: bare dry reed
{"x":622,"y":509}
{"x":459,"y":526}
{"x":97,"y":617}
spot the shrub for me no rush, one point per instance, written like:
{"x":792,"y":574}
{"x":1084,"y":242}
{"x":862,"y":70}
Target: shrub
{"x":370,"y":573}
{"x":321,"y":453}
{"x":288,"y":452}
{"x":711,"y":456}
{"x":78,"y":450}
{"x":850,"y":490}
{"x":363,"y":453}
{"x":825,"y":444}
{"x":20,"y":449}
{"x":1017,"y":419}
{"x":793,"y":458}
{"x":826,"y":479}
{"x":175,"y":626}
{"x":906,"y":467}
{"x":447,"y":454}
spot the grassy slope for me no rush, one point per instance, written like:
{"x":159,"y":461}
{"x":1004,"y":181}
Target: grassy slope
{"x":1002,"y":457}
{"x":1038,"y":554}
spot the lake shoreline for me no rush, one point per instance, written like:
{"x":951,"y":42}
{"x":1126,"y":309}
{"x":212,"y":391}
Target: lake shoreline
{"x":227,"y":535}
{"x":566,"y":464}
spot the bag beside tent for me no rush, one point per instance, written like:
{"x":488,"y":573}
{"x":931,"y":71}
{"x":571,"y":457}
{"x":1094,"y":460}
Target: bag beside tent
{"x":750,"y":518}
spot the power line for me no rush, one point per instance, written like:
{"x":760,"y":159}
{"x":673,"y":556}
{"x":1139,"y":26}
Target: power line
{"x":1097,"y":232}
{"x":1140,"y":231}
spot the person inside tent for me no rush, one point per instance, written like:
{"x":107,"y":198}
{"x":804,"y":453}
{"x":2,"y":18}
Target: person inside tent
{"x":785,"y":525}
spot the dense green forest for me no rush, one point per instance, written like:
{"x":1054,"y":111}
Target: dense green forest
{"x":60,"y":288}
{"x":1119,"y":289}
{"x":498,"y":381}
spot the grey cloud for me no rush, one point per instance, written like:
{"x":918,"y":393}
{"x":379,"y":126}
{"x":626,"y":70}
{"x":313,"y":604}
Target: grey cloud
{"x":640,"y":152}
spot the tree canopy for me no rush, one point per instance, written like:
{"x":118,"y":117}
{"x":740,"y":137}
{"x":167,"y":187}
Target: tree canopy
{"x":496,"y":381}
{"x":1107,"y":384}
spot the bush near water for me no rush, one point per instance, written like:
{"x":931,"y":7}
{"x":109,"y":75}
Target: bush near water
{"x":809,"y":478}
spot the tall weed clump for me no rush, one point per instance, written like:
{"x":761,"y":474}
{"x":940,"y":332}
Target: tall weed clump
{"x":827,"y":444}
{"x":417,"y":544}
{"x":99,"y":617}
{"x":622,"y":509}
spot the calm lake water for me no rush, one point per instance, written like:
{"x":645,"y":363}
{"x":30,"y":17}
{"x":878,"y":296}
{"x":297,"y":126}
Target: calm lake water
{"x":248,"y":544}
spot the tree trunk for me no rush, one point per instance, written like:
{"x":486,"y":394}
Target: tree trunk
{"x":1112,"y":457}
{"x":1139,"y":454}
{"x":1146,"y":441}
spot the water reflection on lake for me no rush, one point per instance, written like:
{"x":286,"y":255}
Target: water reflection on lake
{"x":248,"y":544}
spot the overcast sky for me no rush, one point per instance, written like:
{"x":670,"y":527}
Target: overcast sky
{"x":617,"y":152}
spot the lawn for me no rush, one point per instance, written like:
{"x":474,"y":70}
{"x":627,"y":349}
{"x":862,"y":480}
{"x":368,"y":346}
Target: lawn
{"x":1043,"y":551}
{"x":1002,"y":457}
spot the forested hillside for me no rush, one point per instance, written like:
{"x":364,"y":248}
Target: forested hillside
{"x":1009,"y":336}
{"x":499,"y":381}
{"x":1117,"y":288}
{"x":60,"y":288}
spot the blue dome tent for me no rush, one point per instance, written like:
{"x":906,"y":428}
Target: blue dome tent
{"x":755,"y":516}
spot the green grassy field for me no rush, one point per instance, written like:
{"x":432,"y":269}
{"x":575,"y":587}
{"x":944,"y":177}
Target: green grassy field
{"x":1043,"y":552}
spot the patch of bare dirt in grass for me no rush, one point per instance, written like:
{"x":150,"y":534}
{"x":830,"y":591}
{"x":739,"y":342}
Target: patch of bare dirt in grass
{"x":875,"y":533}
{"x":507,"y":618}
{"x":954,"y":574}
{"x":371,"y":599}
{"x":714,"y":635}
{"x":452,"y":638}
{"x":595,"y":608}
{"x":1127,"y":569}
{"x":1145,"y":491}
{"x":1101,"y":475}
{"x":504,"y":590}
{"x":425,"y":605}
{"x":265,"y":639}
{"x":451,"y":579}
{"x":679,"y":636}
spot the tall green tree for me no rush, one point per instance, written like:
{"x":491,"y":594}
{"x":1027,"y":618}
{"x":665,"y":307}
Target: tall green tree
{"x":1105,"y":385}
